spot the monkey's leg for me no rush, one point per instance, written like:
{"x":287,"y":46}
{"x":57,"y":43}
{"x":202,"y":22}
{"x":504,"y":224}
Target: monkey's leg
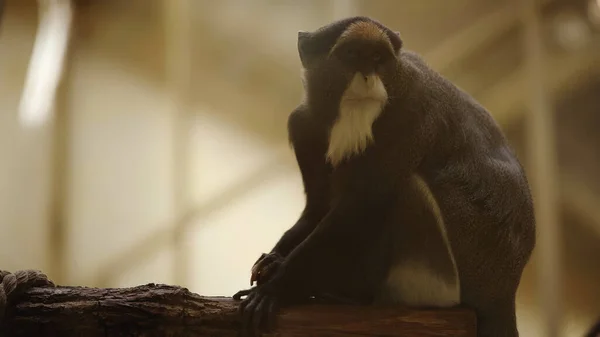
{"x":423,"y":271}
{"x":493,"y":299}
{"x":491,"y":256}
{"x":497,"y":320}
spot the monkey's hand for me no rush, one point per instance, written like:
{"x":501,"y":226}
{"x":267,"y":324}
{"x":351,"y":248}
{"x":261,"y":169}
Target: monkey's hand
{"x":262,"y":270}
{"x":265,"y":267}
{"x":259,"y":309}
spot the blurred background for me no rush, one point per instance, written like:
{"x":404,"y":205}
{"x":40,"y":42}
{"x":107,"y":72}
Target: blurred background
{"x":145,"y":141}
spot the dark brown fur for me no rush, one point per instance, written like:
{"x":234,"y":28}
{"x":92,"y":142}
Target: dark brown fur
{"x":344,"y":241}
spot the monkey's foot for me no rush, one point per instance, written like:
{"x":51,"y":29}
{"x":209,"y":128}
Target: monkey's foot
{"x":265,"y":267}
{"x":258,"y":311}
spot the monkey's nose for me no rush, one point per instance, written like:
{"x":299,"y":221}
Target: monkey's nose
{"x":369,"y":79}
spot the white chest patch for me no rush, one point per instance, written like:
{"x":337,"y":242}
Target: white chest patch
{"x":361,"y":104}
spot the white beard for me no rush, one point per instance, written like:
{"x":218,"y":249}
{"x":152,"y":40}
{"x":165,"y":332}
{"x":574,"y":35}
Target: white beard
{"x":361,"y":104}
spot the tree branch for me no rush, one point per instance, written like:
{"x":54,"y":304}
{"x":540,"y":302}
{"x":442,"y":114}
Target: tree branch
{"x":159,"y":310}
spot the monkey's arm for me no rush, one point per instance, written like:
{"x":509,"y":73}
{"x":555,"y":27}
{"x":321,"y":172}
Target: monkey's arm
{"x":333,"y":258}
{"x":310,"y":155}
{"x":351,"y":229}
{"x":325,"y":261}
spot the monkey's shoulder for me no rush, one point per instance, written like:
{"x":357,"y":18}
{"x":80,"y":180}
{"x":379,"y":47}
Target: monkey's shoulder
{"x":303,"y":128}
{"x":457,"y":112}
{"x":426,"y":83}
{"x":413,"y":58}
{"x":298,"y":122}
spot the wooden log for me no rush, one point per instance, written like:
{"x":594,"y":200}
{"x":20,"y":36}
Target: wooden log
{"x":160,"y":310}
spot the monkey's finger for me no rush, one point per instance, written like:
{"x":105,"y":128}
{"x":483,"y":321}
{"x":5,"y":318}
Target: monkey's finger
{"x":266,"y":273}
{"x":259,"y":278}
{"x":272,"y":310}
{"x":245,"y":332}
{"x":256,"y":267}
{"x":258,"y":262}
{"x":254,"y":277}
{"x":249,"y":311}
{"x":262,"y":256}
{"x":267,"y":260}
{"x":244,"y":304}
{"x":238,"y":296}
{"x":264,"y":261}
{"x":258,"y":316}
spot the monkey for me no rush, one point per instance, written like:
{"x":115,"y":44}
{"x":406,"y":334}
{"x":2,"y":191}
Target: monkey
{"x":414,"y":196}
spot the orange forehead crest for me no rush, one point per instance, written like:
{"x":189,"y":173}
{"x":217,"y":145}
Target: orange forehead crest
{"x":363,"y":30}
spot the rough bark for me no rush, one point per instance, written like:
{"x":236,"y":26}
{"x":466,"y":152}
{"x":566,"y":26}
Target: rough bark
{"x":159,"y":310}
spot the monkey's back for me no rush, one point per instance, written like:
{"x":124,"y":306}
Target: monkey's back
{"x":478,"y":182}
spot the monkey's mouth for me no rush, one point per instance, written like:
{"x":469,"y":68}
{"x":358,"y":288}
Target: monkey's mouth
{"x":361,"y":90}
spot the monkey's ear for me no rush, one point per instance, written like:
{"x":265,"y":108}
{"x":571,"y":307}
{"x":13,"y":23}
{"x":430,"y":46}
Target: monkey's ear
{"x":304,"y":49}
{"x":303,"y":35}
{"x":396,"y":41}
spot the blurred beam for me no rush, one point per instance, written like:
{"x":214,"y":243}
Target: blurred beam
{"x":568,"y":69}
{"x":578,"y":193}
{"x":543,"y":173}
{"x":61,"y":175}
{"x":481,"y":31}
{"x":461,"y":44}
{"x":44,"y":94}
{"x":45,"y":67}
{"x":578,"y":197}
{"x":178,"y":57}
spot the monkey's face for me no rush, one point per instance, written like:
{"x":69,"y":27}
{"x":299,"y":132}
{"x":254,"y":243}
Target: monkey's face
{"x":366,"y":65}
{"x":352,"y":59}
